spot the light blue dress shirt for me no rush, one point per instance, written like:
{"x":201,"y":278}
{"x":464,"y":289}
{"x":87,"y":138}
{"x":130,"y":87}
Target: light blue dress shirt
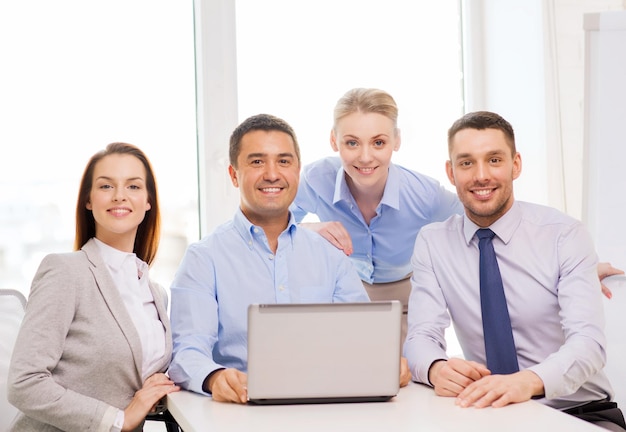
{"x":382,"y":249}
{"x":549,"y":272}
{"x":234,"y":267}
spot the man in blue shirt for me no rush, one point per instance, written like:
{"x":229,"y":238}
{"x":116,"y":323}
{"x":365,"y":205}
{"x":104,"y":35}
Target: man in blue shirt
{"x":261,"y":256}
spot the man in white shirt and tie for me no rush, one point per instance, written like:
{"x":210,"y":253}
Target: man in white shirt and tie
{"x":548,"y":269}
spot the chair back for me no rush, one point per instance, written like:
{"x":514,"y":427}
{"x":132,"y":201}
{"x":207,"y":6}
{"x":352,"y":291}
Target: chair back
{"x":12,"y":304}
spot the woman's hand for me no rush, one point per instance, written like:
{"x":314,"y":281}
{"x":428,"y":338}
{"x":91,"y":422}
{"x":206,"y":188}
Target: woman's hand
{"x":334,"y":232}
{"x":605,"y":269}
{"x":145,"y":400}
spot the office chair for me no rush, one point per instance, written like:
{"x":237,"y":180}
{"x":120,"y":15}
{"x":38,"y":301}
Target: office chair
{"x":165,"y":416}
{"x":12,"y":304}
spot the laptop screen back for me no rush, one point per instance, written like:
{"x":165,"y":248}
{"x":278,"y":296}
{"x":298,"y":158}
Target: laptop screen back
{"x":336,"y":352}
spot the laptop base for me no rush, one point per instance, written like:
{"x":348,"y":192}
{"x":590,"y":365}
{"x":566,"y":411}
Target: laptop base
{"x":324,"y":400}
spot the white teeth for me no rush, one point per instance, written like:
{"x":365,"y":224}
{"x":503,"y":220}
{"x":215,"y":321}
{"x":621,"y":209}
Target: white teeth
{"x":366,"y":170}
{"x":271,"y":190}
{"x":483,"y":192}
{"x":119,"y":211}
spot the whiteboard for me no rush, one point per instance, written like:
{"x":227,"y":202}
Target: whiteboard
{"x":604,"y":169}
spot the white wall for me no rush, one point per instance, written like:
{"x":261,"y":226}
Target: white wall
{"x":604,"y":200}
{"x":525,"y":60}
{"x":335,"y":47}
{"x":568,"y":87}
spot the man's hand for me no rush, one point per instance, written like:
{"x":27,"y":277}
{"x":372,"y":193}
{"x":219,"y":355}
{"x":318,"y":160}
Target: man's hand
{"x":405,"y":373}
{"x":605,"y":269}
{"x":450,"y":377}
{"x":334,"y":232}
{"x":500,"y":390}
{"x":229,"y":385}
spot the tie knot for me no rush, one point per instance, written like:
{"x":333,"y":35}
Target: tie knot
{"x":485,"y":233}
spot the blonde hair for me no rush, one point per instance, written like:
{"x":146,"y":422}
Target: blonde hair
{"x":366,"y":100}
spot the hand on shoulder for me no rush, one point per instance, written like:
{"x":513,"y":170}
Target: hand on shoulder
{"x":334,"y":232}
{"x":605,"y":269}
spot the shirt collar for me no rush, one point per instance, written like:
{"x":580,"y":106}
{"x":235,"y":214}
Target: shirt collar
{"x":115,"y":258}
{"x":391,"y":195}
{"x":503,"y":227}
{"x":250,"y":231}
{"x":342,"y":193}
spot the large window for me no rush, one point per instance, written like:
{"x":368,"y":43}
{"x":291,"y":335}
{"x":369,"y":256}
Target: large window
{"x":78,"y":75}
{"x":295,"y":59}
{"x":75,"y":76}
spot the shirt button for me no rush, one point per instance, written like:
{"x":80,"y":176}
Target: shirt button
{"x":270,"y":256}
{"x":256,"y":230}
{"x":281,"y":288}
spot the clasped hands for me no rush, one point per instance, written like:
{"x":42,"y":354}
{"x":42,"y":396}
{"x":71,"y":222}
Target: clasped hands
{"x":473,"y":384}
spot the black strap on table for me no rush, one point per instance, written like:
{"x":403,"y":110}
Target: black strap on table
{"x":597,"y":411}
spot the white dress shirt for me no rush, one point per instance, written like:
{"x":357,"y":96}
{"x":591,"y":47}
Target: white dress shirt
{"x":130,"y":275}
{"x":549,"y":272}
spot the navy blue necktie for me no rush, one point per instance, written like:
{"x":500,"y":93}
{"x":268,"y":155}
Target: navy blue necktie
{"x":499,"y":343}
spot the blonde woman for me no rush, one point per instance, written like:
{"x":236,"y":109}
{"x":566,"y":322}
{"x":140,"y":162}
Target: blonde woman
{"x":368,"y":206}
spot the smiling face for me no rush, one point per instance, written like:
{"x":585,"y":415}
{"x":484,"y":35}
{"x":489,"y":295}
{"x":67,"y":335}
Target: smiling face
{"x":482,"y":167}
{"x":267,"y":175}
{"x":365,"y":142}
{"x":118,"y":199}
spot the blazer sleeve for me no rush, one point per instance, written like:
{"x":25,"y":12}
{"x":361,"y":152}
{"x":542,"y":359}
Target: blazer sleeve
{"x":39,"y":347}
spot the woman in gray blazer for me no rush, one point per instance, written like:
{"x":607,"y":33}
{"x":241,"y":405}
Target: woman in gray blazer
{"x":95,"y":341}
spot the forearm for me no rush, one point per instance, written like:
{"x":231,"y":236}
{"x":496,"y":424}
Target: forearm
{"x":564,"y":371}
{"x":190,"y":368}
{"x":194,"y":321}
{"x":44,"y":400}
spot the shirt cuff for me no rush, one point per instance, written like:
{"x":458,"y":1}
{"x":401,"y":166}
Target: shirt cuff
{"x":118,"y":424}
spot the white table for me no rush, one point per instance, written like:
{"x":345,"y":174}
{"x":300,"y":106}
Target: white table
{"x":415,"y":409}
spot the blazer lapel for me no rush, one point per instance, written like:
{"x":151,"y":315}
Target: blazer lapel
{"x":112,"y":298}
{"x":160,"y":300}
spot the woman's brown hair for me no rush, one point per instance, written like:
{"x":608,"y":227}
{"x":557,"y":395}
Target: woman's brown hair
{"x":148,"y":232}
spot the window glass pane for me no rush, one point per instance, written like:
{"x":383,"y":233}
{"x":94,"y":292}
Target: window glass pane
{"x":76,"y":76}
{"x":296,"y":59}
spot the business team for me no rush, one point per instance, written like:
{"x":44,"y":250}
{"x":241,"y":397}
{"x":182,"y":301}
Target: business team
{"x":210,"y":295}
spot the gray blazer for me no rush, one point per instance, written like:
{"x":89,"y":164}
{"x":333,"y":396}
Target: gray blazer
{"x":78,"y":355}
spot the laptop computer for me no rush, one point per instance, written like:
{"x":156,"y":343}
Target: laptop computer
{"x":323,"y":353}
